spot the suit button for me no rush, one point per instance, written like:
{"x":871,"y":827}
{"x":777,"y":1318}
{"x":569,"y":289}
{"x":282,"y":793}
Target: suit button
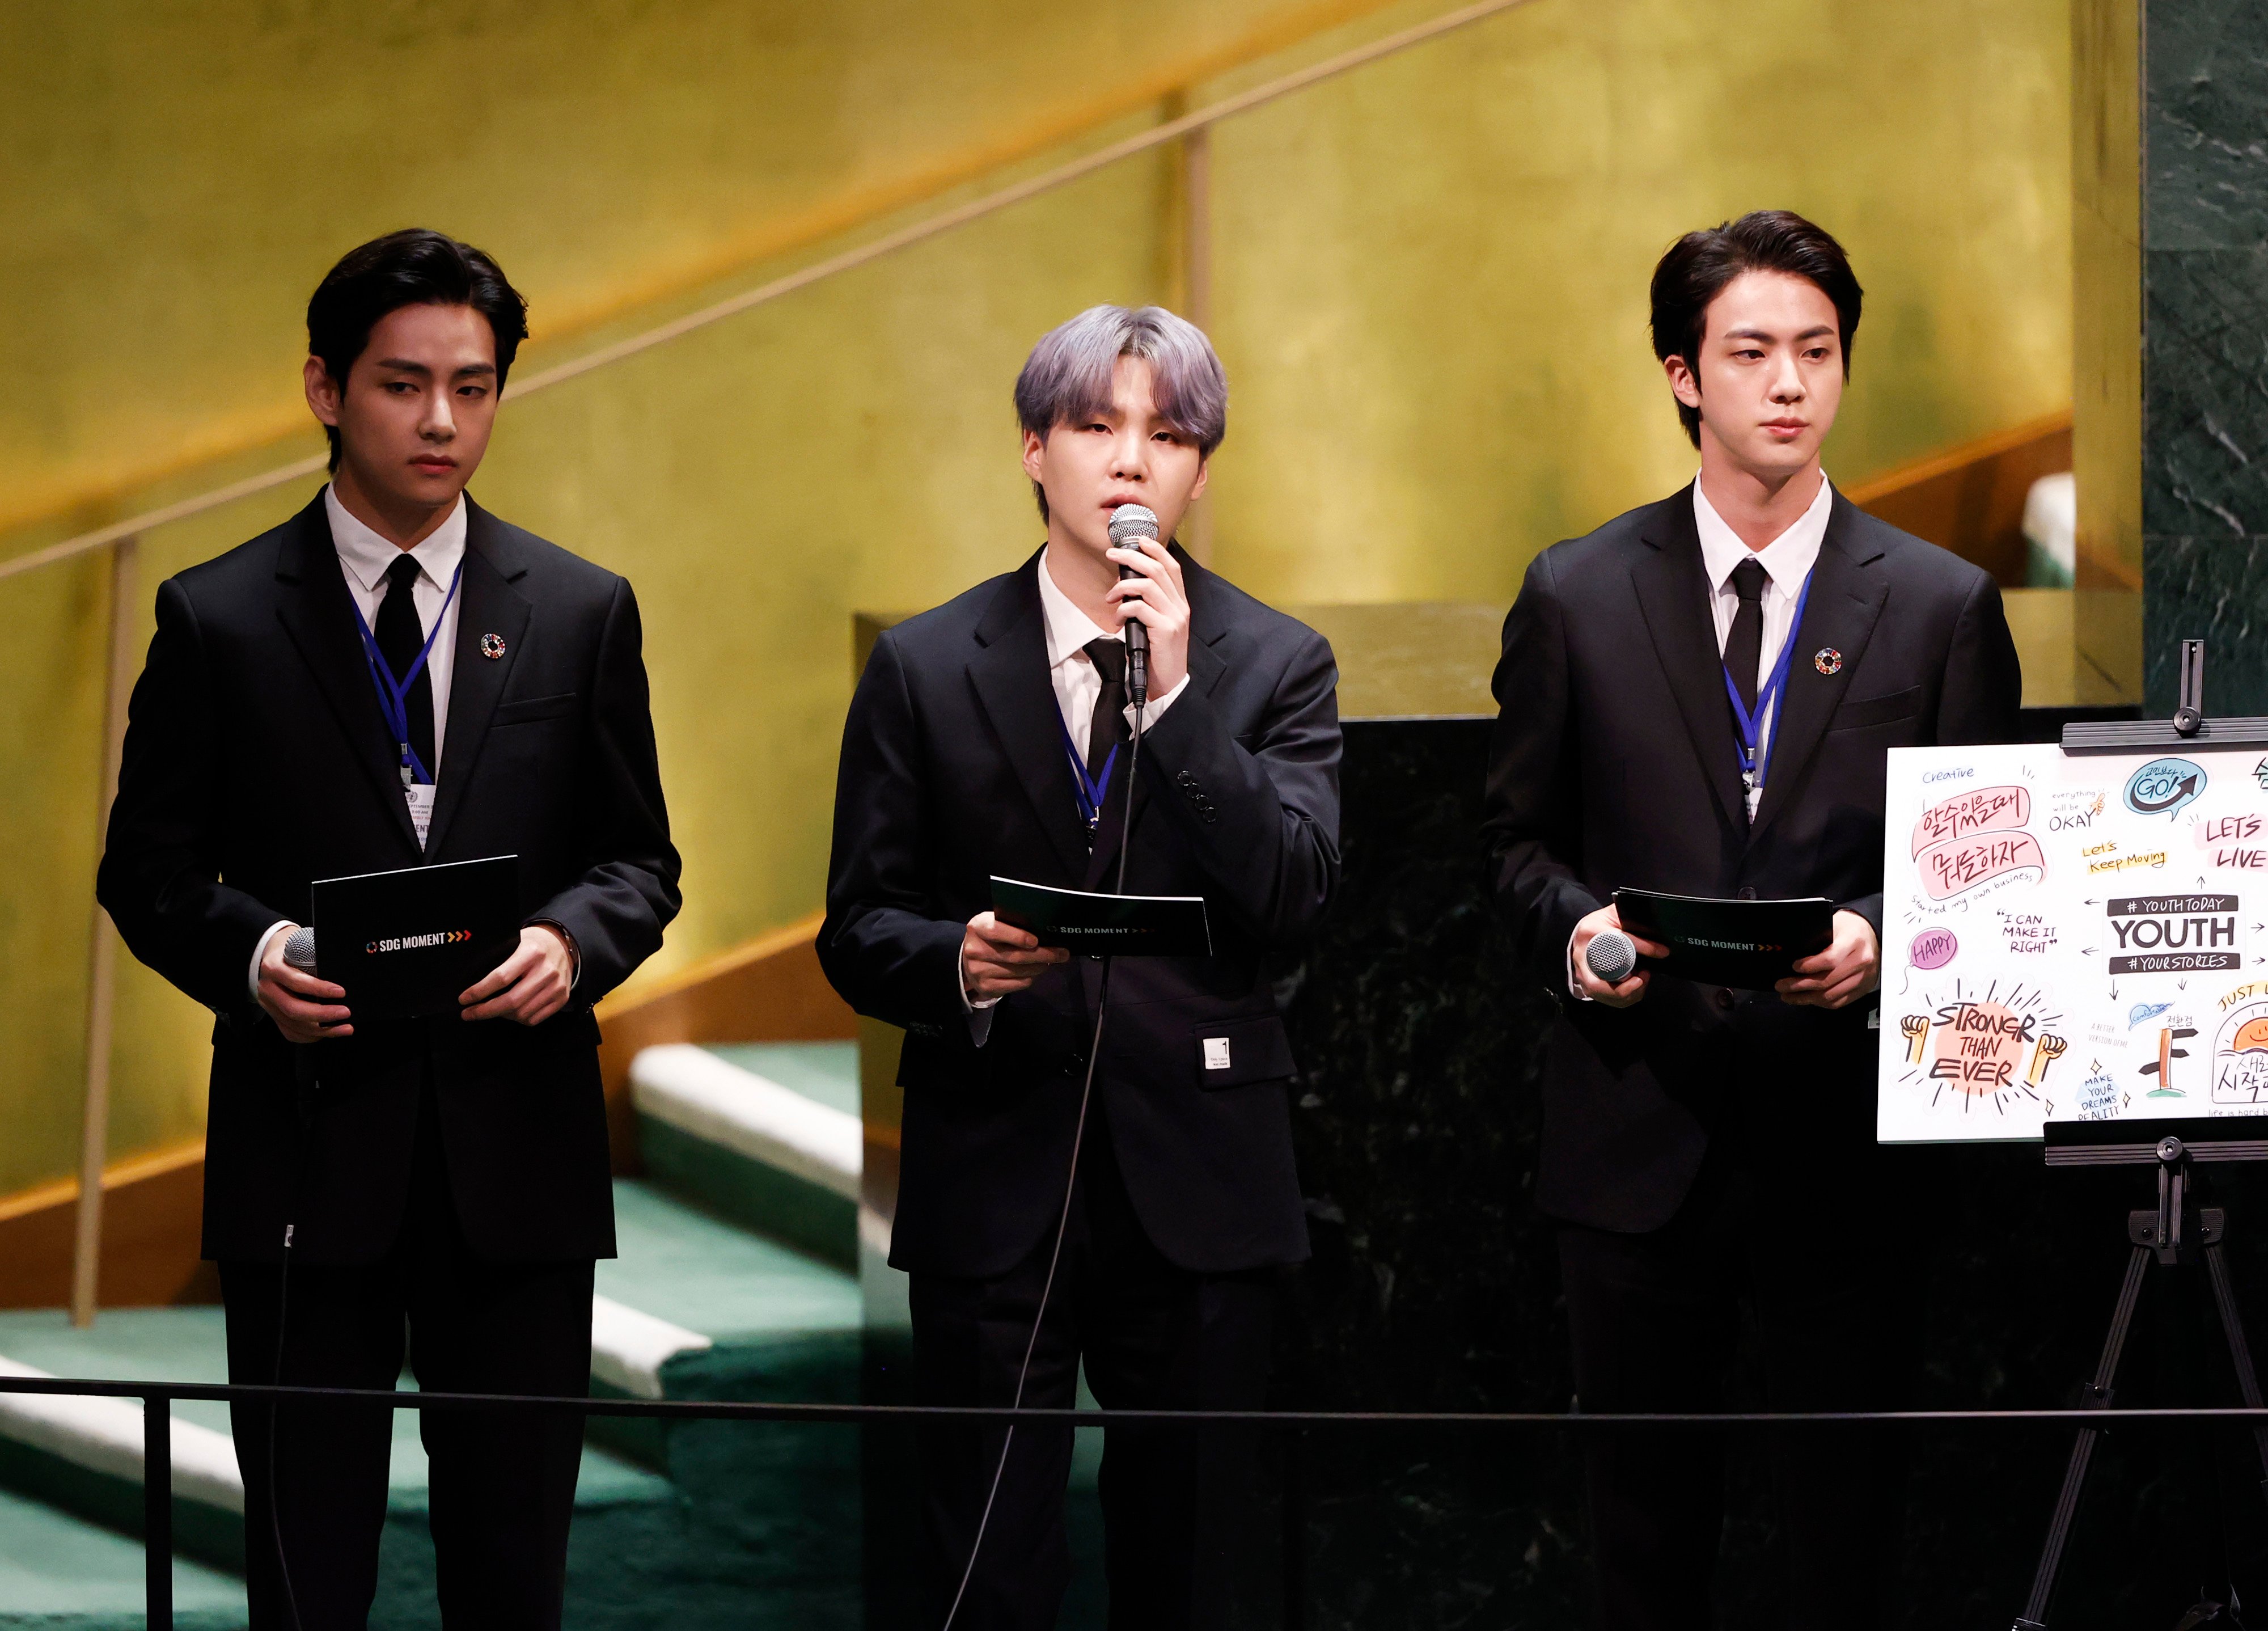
{"x":1725,"y":1000}
{"x":1748,"y":891}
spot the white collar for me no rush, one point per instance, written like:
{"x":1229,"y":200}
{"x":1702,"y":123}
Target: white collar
{"x":1786,"y":558}
{"x":1069,"y":629}
{"x":367,"y":554}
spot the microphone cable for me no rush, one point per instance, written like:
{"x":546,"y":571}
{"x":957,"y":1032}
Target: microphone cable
{"x":306,"y":1120}
{"x":1071,"y":1179}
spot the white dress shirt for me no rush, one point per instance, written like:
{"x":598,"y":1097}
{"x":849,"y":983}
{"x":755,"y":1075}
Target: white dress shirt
{"x":1787,"y":561}
{"x":1077,"y":683}
{"x":365,"y":557}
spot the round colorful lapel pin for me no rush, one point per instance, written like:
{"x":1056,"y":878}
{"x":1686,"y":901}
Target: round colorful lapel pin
{"x":1827,"y":661}
{"x":492,"y":646}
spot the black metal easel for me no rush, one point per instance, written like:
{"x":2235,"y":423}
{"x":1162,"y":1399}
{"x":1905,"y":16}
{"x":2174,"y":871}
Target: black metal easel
{"x":2177,"y":1231}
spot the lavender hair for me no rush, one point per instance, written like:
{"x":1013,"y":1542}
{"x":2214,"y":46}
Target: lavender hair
{"x":1068,"y":375}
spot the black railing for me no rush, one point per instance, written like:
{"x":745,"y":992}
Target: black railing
{"x":158,"y":1449}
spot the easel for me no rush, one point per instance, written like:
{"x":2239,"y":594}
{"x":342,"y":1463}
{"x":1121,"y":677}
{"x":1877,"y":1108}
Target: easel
{"x":2177,"y":1231}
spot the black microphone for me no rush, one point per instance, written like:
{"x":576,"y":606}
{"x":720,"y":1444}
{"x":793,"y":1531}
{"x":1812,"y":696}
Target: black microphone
{"x":1128,"y":523}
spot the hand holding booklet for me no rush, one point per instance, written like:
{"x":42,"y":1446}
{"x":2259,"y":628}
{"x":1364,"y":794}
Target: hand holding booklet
{"x":407,"y":943}
{"x":1106,"y":926}
{"x":1750,"y":945}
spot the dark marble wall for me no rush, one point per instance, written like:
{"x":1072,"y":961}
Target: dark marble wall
{"x":2204,"y":452}
{"x":1434,"y":1287}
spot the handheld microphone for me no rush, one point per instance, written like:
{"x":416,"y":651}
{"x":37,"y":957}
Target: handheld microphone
{"x":300,"y":950}
{"x":1128,"y":523}
{"x":1611,"y":956}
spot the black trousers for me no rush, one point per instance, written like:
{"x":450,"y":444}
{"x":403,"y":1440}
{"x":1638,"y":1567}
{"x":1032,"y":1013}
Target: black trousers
{"x":1152,"y":1336}
{"x":1655,"y":1320}
{"x":502,"y":1485}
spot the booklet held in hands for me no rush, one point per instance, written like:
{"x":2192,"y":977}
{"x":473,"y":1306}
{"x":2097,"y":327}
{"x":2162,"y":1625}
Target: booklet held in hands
{"x":1750,"y":945}
{"x":1106,"y":926}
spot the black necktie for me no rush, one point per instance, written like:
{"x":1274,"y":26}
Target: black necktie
{"x":399,"y":641}
{"x":1107,"y":726}
{"x":1744,"y":646}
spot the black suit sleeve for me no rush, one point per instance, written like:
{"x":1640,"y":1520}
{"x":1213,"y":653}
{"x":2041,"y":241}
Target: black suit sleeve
{"x":1534,"y":817}
{"x":1980,"y":699}
{"x":880,"y":947}
{"x":1263,"y":820}
{"x":1984,"y":680}
{"x":159,"y":879}
{"x":617,"y":909}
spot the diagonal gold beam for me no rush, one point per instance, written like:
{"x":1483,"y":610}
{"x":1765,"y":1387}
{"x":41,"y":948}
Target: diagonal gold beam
{"x":832,"y":266}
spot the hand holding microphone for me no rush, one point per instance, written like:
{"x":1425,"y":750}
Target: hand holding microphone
{"x":304,"y":1008}
{"x":1604,"y":959}
{"x":1151,"y":595}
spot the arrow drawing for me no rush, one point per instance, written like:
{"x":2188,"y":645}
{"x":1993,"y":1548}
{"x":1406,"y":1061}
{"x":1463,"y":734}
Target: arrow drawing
{"x":2182,"y":792}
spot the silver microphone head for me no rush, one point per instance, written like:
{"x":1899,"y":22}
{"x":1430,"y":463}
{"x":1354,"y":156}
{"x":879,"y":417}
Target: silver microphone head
{"x":1611,"y":956}
{"x":300,"y":950}
{"x":1132,"y":520}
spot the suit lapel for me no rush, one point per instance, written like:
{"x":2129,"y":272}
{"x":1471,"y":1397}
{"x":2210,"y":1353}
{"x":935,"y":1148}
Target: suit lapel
{"x":1839,"y":614}
{"x":312,"y":605}
{"x":1206,"y":666}
{"x":1672,"y":592}
{"x":486,"y":604}
{"x":1010,"y":674}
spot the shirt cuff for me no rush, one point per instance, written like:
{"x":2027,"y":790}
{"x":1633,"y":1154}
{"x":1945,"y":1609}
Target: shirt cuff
{"x":1574,"y":984}
{"x":979,"y":1010}
{"x":1155,"y":708}
{"x":259,"y":950}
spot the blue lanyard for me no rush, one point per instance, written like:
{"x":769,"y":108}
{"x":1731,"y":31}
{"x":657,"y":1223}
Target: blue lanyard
{"x":1090,"y":791}
{"x":393,"y":694}
{"x":1750,"y":720}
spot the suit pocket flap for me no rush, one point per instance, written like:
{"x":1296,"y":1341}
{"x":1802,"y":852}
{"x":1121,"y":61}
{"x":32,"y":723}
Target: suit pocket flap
{"x":530,"y":708}
{"x":1232,"y":1052}
{"x":1877,"y":710}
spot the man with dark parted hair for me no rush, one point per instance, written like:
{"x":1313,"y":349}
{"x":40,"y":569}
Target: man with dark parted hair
{"x":449,"y":1173}
{"x":1696,"y":698}
{"x":990,"y":736}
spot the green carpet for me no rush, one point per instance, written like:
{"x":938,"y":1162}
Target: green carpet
{"x":57,"y":1570}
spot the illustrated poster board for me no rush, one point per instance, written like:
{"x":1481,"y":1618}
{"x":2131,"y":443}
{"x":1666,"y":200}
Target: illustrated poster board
{"x":2072,"y":937}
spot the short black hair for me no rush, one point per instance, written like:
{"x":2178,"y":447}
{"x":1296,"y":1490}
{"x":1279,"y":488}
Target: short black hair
{"x":413,"y":267}
{"x":1700,"y":264}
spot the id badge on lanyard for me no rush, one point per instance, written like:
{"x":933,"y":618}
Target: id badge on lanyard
{"x":1756,"y":744}
{"x":417,"y":788}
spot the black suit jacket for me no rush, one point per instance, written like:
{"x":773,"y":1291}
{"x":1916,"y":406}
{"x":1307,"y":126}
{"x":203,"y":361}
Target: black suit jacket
{"x":256,"y":761}
{"x":1614,"y":762}
{"x":954,"y":769}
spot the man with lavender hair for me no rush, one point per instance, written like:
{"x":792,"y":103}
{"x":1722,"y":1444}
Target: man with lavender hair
{"x":991,"y":736}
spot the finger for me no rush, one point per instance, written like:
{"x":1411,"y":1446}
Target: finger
{"x":1647,"y":948}
{"x":1005,"y":934}
{"x":505,"y":1006}
{"x":1034,"y":957}
{"x":509,"y":972}
{"x":310,"y":1013}
{"x":1141,"y":561}
{"x":302,"y":984}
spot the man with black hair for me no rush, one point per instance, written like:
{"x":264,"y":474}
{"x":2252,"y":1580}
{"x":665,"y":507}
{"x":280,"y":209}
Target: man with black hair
{"x":1697,"y":698}
{"x":452,"y":1173}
